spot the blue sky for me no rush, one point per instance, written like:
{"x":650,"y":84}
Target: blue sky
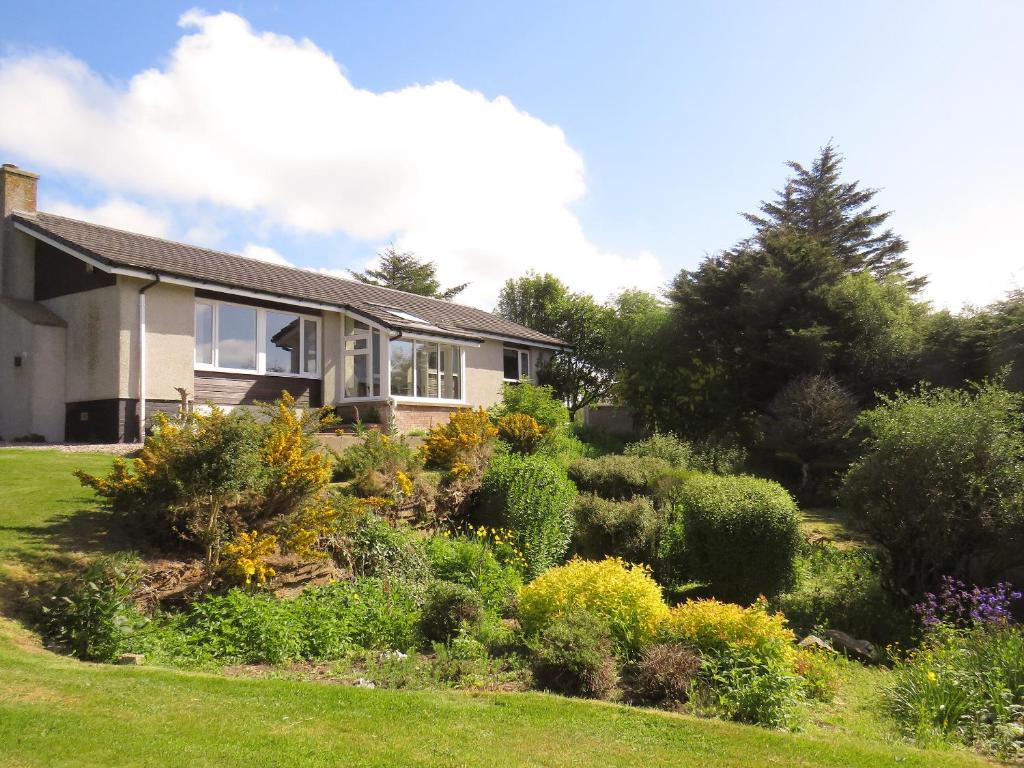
{"x":674,"y":117}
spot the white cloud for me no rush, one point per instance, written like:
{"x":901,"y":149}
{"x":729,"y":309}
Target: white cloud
{"x":264,"y":253}
{"x":270,"y":125}
{"x":118,"y":213}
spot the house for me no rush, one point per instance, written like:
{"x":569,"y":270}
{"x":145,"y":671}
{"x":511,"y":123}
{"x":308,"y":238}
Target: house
{"x":100,"y":327}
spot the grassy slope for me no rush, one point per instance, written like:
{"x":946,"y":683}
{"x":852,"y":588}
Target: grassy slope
{"x":56,"y":711}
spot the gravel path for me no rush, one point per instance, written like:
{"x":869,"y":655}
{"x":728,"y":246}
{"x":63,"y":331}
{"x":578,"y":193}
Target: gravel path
{"x":116,"y":448}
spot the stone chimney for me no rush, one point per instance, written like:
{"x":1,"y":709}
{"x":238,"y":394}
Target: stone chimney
{"x":17,"y":193}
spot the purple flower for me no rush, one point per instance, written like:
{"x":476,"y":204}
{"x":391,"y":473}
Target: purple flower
{"x":957,"y":605}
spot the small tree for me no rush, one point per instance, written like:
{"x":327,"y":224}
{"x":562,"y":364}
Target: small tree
{"x":941,"y":483}
{"x":404,"y":272}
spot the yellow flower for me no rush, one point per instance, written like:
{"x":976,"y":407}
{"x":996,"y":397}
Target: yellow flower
{"x":932,"y":677}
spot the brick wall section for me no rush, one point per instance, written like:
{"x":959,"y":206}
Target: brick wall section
{"x":410,"y":417}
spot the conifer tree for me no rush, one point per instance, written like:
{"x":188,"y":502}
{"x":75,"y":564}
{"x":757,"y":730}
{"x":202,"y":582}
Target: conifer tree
{"x":403,"y":271}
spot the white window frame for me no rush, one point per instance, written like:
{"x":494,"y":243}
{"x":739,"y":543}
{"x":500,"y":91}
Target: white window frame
{"x":522,"y":354}
{"x":384,"y":362}
{"x":414,"y":399}
{"x":261,"y":351}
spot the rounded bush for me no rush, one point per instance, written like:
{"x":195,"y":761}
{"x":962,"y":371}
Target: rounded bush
{"x":663,"y":445}
{"x":623,"y":595}
{"x":665,"y":672}
{"x":470,"y":562}
{"x":626,"y":529}
{"x":712,"y":627}
{"x":521,"y":432}
{"x":573,"y":656}
{"x":447,"y":609}
{"x":619,"y":477}
{"x":532,"y":496}
{"x":738,"y":534}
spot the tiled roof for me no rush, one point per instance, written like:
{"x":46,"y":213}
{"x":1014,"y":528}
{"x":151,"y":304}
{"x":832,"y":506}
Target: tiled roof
{"x":117,"y":248}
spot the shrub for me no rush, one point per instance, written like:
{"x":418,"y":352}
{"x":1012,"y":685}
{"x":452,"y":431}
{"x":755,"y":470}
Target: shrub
{"x":819,"y":674}
{"x":739,"y":534}
{"x":539,"y":402}
{"x":622,"y":595}
{"x":619,"y":477}
{"x":718,"y":456}
{"x":463,"y":439}
{"x":842,"y":589}
{"x":532,"y":496}
{"x":374,"y":548}
{"x":663,"y":445}
{"x":941,"y":482}
{"x":573,"y":655}
{"x":472,"y":563}
{"x":522,"y":432}
{"x":665,"y":673}
{"x":627,"y":529}
{"x":956,"y":605}
{"x":739,"y":686}
{"x":247,"y":627}
{"x":709,"y":627}
{"x":92,"y":613}
{"x":964,"y":685}
{"x":449,"y":607}
{"x":375,"y":464}
{"x":246,"y":557}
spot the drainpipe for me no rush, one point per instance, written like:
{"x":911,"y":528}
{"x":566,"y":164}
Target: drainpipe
{"x":142,"y":355}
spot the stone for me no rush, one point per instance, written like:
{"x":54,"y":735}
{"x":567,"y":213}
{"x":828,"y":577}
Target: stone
{"x":813,"y":641}
{"x":131,"y":659}
{"x":364,"y":683}
{"x":862,"y":649}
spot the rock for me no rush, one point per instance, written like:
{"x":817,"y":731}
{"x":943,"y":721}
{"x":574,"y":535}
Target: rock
{"x":364,"y":683}
{"x":862,"y":649}
{"x":131,"y":659}
{"x":813,"y":641}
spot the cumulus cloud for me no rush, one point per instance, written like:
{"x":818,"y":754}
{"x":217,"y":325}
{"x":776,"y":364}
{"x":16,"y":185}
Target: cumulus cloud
{"x":264,"y":253}
{"x":270,"y":125}
{"x":116,"y":212}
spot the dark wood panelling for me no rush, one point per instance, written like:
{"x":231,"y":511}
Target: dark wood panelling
{"x":58,"y":274}
{"x":246,"y":389}
{"x":216,"y":296}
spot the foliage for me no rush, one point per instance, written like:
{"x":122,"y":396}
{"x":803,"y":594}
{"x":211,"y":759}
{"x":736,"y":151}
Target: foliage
{"x":205,"y":478}
{"x":402,"y":271}
{"x":623,"y":595}
{"x":573,"y":655}
{"x":940,"y":484}
{"x":584,"y":373}
{"x":957,"y":605}
{"x":721,"y":455}
{"x":740,"y":686}
{"x":663,"y":445}
{"x":376,"y":463}
{"x":449,"y":607}
{"x":522,"y":433}
{"x":619,"y":477}
{"x":739,"y":534}
{"x":377,"y":549}
{"x":246,"y":556}
{"x":533,"y":497}
{"x":92,"y":613}
{"x":710,"y":626}
{"x":628,"y":529}
{"x":538,"y":401}
{"x":465,"y":436}
{"x":248,"y":627}
{"x":819,"y":674}
{"x":471,"y":561}
{"x":842,"y":589}
{"x":966,"y":686}
{"x":665,"y":673}
{"x":806,"y":432}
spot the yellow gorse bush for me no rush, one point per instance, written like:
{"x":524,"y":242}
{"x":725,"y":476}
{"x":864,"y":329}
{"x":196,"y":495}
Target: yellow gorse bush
{"x":708,"y":625}
{"x":522,"y":432}
{"x":246,"y":556}
{"x":621,"y":593}
{"x":456,"y":441}
{"x":297,"y":467}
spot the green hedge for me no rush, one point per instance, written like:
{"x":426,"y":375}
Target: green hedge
{"x":628,"y":529}
{"x":532,"y":496}
{"x":619,"y":477}
{"x":738,"y":534}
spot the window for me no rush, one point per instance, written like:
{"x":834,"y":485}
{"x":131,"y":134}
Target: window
{"x":426,"y":369}
{"x":516,"y":364}
{"x":234,"y":337}
{"x":401,"y":314}
{"x":361,"y":351}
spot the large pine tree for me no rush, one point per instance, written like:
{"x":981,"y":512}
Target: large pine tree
{"x":403,"y":271}
{"x":839,"y":215}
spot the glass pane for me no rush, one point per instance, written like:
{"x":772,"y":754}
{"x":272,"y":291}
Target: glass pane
{"x":524,"y":363}
{"x":375,"y":358}
{"x":451,"y":363}
{"x":356,"y":332}
{"x":401,"y":367}
{"x":512,"y":364}
{"x":426,"y":370}
{"x":282,"y":343}
{"x":456,"y":373}
{"x":310,"y":341}
{"x":236,"y":342}
{"x":204,"y":334}
{"x":357,"y":383}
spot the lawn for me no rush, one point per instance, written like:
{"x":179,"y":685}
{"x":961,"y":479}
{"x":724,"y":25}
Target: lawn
{"x":56,"y":711}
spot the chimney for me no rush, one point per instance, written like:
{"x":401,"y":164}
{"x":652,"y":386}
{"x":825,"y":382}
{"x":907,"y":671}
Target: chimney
{"x":17,"y":193}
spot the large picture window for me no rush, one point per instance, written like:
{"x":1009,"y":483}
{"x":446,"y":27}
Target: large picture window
{"x":235,"y":337}
{"x":426,"y":369}
{"x":361,"y":363}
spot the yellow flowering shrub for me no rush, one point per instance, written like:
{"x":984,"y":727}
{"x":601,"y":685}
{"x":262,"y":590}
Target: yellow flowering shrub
{"x":245,"y":557}
{"x":461,"y":439}
{"x":622,"y":594}
{"x":712,"y":626}
{"x":298,"y":467}
{"x":522,"y":432}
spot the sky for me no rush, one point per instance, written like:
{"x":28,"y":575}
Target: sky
{"x":609,"y":143}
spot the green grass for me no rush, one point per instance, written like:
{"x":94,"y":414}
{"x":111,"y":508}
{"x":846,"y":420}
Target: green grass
{"x":832,"y":524}
{"x":56,"y":711}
